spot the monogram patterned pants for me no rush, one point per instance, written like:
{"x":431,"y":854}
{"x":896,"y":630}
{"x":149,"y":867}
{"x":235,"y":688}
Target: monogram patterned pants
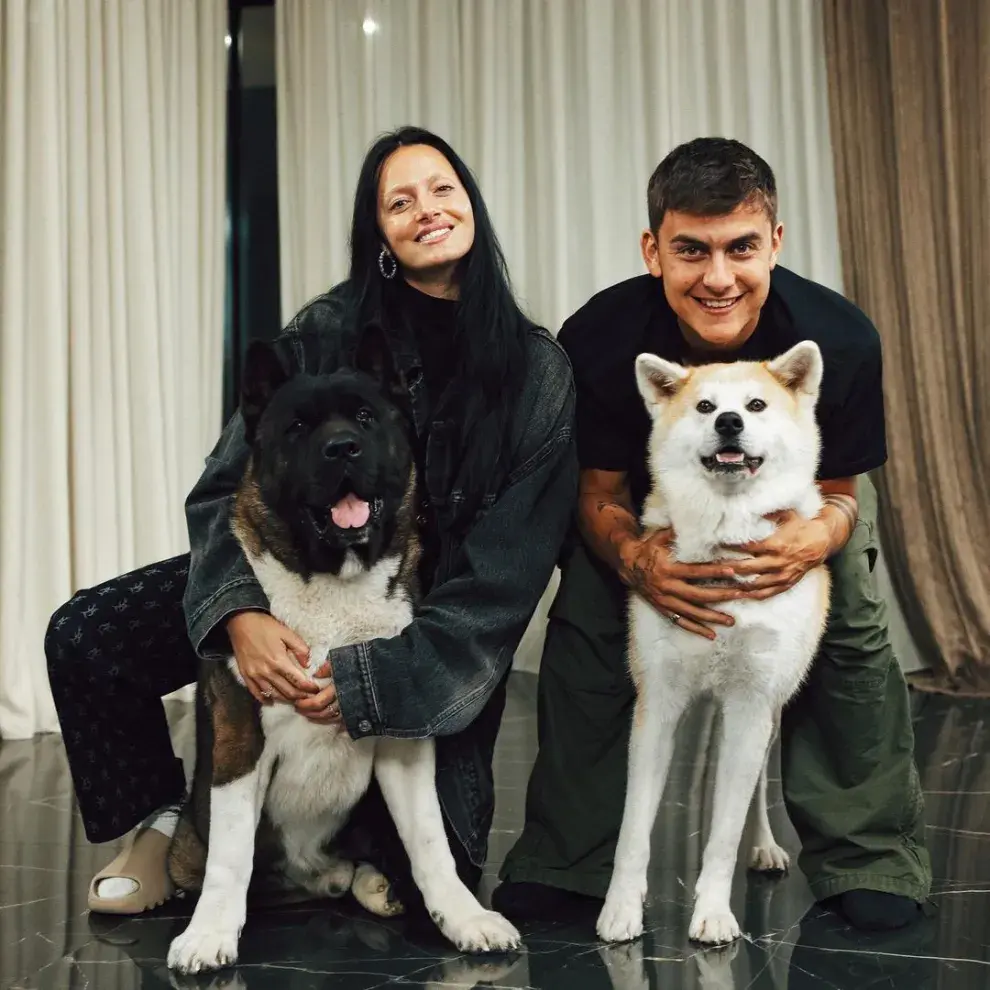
{"x":113,"y":651}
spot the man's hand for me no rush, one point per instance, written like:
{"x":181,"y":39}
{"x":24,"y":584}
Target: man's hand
{"x":321,"y":708}
{"x":666,"y":584}
{"x":798,"y":545}
{"x":795,"y":547}
{"x":269,"y":657}
{"x":612,"y":531}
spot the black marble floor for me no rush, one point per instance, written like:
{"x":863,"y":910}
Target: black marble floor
{"x":48,"y":941}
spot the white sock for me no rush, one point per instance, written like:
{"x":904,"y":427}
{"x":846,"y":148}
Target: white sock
{"x":165,"y":821}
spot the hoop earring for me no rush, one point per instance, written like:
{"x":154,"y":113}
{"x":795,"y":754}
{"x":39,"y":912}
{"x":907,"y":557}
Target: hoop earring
{"x":386,"y":254}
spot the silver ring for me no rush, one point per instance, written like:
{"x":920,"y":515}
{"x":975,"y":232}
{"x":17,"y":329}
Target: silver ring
{"x":674,"y":617}
{"x":267,"y":694}
{"x":332,"y":710}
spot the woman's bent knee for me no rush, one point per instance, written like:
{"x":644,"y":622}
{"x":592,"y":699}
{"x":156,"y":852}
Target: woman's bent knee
{"x":70,"y":640}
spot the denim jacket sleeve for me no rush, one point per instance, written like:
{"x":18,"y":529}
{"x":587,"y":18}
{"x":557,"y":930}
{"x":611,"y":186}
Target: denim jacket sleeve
{"x":436,"y":676}
{"x":221,"y":581}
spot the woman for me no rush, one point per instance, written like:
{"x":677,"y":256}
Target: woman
{"x":491,"y":399}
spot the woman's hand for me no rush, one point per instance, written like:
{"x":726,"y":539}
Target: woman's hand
{"x":270,"y":657}
{"x":321,"y":708}
{"x":666,"y":583}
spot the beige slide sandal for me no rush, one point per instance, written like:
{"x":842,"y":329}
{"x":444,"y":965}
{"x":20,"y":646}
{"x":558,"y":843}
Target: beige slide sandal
{"x":143,"y":860}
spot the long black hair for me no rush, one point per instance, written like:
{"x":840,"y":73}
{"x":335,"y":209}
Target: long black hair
{"x":491,"y":329}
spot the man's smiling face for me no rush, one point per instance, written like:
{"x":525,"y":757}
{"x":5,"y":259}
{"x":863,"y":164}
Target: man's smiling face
{"x":715,"y":271}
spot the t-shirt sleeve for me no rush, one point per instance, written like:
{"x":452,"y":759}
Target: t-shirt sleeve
{"x":602,"y":444}
{"x":853,"y":429}
{"x":604,"y":440}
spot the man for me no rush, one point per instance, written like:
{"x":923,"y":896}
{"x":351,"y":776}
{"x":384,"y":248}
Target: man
{"x":714,"y":293}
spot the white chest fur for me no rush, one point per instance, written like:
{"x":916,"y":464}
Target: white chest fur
{"x":320,"y":771}
{"x":768,"y":648}
{"x":329,"y":611}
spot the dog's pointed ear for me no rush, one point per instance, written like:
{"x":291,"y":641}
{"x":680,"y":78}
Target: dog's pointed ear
{"x":659,"y":380}
{"x":374,"y":358}
{"x":262,"y":377}
{"x":799,"y":369}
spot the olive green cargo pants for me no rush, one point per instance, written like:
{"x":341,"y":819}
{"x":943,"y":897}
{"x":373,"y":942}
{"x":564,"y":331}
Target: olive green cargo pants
{"x":850,"y":782}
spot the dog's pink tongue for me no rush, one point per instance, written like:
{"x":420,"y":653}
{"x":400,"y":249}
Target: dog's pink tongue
{"x":350,"y":512}
{"x":729,"y":457}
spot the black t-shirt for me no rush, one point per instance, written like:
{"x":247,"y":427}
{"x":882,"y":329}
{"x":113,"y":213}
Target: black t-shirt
{"x":604,"y":337}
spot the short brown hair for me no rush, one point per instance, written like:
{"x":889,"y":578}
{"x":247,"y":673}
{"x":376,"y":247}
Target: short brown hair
{"x":710,"y":177}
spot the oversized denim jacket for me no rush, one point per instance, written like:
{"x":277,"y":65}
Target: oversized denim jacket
{"x":444,"y":676}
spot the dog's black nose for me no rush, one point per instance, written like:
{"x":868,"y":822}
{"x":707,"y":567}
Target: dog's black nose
{"x":342,"y":448}
{"x":728,"y":424}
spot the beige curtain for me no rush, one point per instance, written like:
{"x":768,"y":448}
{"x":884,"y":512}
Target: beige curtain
{"x":910,"y":110}
{"x":111,"y":301}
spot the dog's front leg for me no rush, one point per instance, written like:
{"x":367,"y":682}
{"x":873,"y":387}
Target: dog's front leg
{"x":651,"y":745}
{"x":210,"y":940}
{"x":747,"y":727}
{"x":406,"y":773}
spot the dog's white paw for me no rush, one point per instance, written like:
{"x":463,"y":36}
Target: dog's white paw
{"x":768,"y":857}
{"x":713,"y":925}
{"x":199,"y":949}
{"x":621,"y":919}
{"x":373,"y":892}
{"x":484,"y":932}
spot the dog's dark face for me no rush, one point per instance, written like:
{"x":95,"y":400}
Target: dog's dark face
{"x":332,"y":464}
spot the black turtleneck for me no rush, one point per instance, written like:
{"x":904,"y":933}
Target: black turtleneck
{"x":433,"y":322}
